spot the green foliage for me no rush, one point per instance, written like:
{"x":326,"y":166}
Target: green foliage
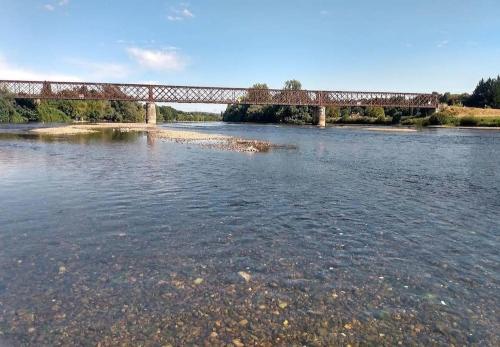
{"x":375,"y":112}
{"x":468,"y":121}
{"x":8,"y":112}
{"x":48,"y":113}
{"x":418,"y":122}
{"x":260,"y":86}
{"x":443,"y":118}
{"x":358,"y":111}
{"x":126,"y":111}
{"x":332,"y":114}
{"x":295,"y":114}
{"x":170,"y":114}
{"x":454,"y":99}
{"x":98,"y":111}
{"x":486,"y":94}
{"x":292,"y":85}
{"x":345,"y":113}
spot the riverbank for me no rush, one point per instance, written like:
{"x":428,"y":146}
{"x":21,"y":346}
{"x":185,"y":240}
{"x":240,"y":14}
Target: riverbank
{"x":458,"y":116}
{"x":217,"y":141}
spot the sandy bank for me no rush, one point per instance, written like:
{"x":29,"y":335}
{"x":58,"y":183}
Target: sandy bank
{"x":67,"y":130}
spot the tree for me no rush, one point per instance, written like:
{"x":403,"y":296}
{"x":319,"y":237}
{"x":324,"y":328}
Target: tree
{"x":486,"y":94}
{"x":49,"y":113}
{"x":345,"y":112}
{"x":495,"y":102}
{"x":126,"y":111}
{"x":375,"y":112}
{"x":292,"y":85}
{"x":332,"y":112}
{"x":98,"y":110}
{"x":8,"y":112}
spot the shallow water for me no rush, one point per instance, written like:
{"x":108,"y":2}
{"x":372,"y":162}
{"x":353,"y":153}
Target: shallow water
{"x":353,"y":237}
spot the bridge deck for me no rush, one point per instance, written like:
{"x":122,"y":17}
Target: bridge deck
{"x":211,"y":95}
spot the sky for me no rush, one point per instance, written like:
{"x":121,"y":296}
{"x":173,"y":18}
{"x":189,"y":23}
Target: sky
{"x":366,"y":45}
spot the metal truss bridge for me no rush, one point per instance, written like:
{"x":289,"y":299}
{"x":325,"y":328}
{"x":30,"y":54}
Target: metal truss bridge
{"x":212,"y":95}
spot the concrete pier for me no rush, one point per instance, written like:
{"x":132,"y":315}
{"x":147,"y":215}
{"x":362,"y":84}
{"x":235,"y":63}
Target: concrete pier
{"x":151,"y":113}
{"x":321,"y":116}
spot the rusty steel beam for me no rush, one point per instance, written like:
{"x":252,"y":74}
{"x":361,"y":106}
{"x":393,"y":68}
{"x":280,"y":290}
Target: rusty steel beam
{"x":211,"y":95}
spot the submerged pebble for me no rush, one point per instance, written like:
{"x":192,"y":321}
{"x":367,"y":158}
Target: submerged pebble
{"x":245,"y":275}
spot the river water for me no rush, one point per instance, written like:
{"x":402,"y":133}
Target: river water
{"x":349,"y":237}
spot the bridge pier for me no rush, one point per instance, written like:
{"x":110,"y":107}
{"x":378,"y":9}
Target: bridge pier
{"x":151,"y":113}
{"x":321,"y":116}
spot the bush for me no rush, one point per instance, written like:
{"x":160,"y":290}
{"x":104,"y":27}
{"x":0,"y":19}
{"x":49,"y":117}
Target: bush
{"x":489,"y":122}
{"x":469,"y":121}
{"x":396,"y":117}
{"x":49,"y":114}
{"x":8,"y":112}
{"x":332,"y":114}
{"x":443,"y":118}
{"x":375,"y":112}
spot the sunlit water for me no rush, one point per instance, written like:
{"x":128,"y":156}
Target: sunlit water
{"x":353,"y":237}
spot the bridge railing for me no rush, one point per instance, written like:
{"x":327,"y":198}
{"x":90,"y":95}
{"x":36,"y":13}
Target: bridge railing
{"x":212,"y":95}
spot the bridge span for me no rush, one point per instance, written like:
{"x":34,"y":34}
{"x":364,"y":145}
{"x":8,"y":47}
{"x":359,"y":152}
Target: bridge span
{"x":152,"y":94}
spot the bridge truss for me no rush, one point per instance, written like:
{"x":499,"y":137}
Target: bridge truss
{"x":211,"y":95}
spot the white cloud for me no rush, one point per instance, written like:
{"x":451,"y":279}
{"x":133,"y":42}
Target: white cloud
{"x":179,"y":14}
{"x":52,"y":6}
{"x":10,"y":71}
{"x":442,"y":44}
{"x":186,"y":13}
{"x":174,"y":18}
{"x":160,"y":60}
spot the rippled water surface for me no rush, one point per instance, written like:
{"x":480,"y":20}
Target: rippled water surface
{"x":353,"y":237}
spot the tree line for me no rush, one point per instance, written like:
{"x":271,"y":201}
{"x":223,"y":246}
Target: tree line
{"x":486,"y":94}
{"x":48,"y":111}
{"x":307,"y":114}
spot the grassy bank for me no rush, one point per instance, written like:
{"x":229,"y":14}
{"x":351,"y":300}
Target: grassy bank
{"x":459,"y":116}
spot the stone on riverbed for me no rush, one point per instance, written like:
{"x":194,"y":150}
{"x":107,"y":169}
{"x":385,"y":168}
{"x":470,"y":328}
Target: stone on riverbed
{"x":245,"y":275}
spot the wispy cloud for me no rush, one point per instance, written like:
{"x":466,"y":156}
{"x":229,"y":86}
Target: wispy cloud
{"x":180,"y":13}
{"x":324,"y":13}
{"x":442,"y":43}
{"x":159,"y":60}
{"x":52,"y":6}
{"x":13,"y":71}
{"x":187,"y":14}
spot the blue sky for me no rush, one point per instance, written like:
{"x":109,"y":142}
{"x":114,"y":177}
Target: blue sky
{"x":389,"y":45}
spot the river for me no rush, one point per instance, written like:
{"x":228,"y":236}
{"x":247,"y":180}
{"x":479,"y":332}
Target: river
{"x":349,"y":236}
